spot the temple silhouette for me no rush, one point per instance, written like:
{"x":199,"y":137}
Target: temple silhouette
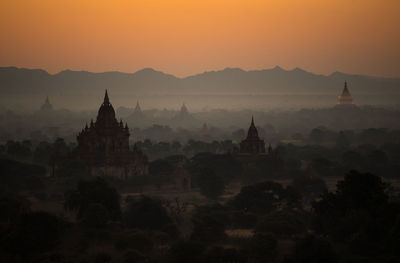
{"x":345,"y":98}
{"x":252,"y":152}
{"x":252,"y":144}
{"x":104,"y":146}
{"x":46,"y":106}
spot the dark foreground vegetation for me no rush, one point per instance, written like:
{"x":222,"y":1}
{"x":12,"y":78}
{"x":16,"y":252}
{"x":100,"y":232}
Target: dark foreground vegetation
{"x":53,"y":211}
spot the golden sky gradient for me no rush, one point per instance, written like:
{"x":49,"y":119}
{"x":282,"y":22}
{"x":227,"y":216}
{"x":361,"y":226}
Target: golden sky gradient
{"x":184,"y":37}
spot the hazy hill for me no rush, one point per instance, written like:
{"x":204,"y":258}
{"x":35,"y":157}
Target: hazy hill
{"x":88,"y":87}
{"x":276,"y":80}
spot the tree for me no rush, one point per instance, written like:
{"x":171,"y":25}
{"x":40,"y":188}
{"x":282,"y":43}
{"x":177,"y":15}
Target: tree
{"x":136,"y":240}
{"x":95,"y":215}
{"x":265,"y":197}
{"x":186,"y":251}
{"x":96,"y":191}
{"x":312,"y":250}
{"x":148,"y":213}
{"x":35,"y":233}
{"x":283,"y":223}
{"x":211,"y":185}
{"x":209,"y":223}
{"x":317,"y":135}
{"x":309,"y":186}
{"x":220,"y":254}
{"x":356,"y":208}
{"x":262,"y":246}
{"x":19,"y":150}
{"x":12,"y":208}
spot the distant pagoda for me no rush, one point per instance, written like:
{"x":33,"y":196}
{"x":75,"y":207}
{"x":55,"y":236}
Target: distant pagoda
{"x":252,"y":144}
{"x":184,"y":111}
{"x":345,"y":98}
{"x":46,"y":105}
{"x":137,"y":113}
{"x":183,"y":114}
{"x":137,"y":108}
{"x":104,"y":146}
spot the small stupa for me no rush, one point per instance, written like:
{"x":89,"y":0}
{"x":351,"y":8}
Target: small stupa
{"x":46,"y":105}
{"x":345,"y":98}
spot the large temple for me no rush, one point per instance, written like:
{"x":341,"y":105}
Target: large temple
{"x":104,"y":146}
{"x":253,"y":153}
{"x":252,"y":144}
{"x":345,"y":98}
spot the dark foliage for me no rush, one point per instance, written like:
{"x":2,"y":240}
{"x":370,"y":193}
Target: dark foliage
{"x":139,"y":241}
{"x":309,"y":186}
{"x":312,"y":250}
{"x":95,"y":215}
{"x":262,"y":247}
{"x":18,"y":176}
{"x":148,"y":213}
{"x":221,"y":255}
{"x":224,"y":165}
{"x":186,"y":251}
{"x":13,"y":208}
{"x":265,"y":197}
{"x":359,"y":215}
{"x":35,"y":233}
{"x":209,"y":223}
{"x":211,"y":185}
{"x":96,"y":191}
{"x":283,"y":223}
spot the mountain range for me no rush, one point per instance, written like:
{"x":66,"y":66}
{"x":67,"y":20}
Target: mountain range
{"x":20,"y":81}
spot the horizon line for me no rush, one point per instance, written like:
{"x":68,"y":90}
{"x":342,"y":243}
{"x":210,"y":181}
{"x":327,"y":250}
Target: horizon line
{"x":277,"y":67}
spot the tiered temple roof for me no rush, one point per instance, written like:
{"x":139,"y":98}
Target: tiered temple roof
{"x":252,"y":144}
{"x":105,"y":144}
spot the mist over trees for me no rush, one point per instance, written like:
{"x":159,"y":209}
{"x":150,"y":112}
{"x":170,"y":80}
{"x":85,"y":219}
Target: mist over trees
{"x":326,"y":190}
{"x":68,"y":88}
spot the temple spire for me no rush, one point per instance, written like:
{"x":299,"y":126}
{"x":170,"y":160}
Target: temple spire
{"x":345,"y":97}
{"x":252,"y":121}
{"x":106,"y":99}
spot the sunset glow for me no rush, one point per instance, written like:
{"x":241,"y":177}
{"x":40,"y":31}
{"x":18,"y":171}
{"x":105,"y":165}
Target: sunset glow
{"x":184,"y":37}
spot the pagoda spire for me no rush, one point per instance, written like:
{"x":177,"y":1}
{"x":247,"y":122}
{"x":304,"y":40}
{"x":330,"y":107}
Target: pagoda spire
{"x":106,"y":99}
{"x":137,"y":108}
{"x":345,"y":97}
{"x":252,"y":133}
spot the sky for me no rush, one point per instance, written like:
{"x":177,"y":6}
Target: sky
{"x":185,"y":37}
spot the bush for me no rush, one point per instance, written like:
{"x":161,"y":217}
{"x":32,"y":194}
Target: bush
{"x":35,"y":233}
{"x":312,"y":250}
{"x":148,"y":213}
{"x":220,"y":254}
{"x":137,"y":241}
{"x":133,"y":256}
{"x":96,"y":191}
{"x":262,"y":246}
{"x":265,"y":197}
{"x":209,"y":223}
{"x":310,"y":186}
{"x":186,"y":251}
{"x":282,"y":224}
{"x":211,"y":185}
{"x":95,"y":215}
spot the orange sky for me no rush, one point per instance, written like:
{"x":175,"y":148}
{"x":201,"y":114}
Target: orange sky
{"x":184,"y":37}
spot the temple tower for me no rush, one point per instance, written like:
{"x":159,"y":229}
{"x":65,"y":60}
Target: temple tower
{"x":104,"y":146}
{"x":345,"y":98}
{"x":252,"y":144}
{"x":46,"y":105}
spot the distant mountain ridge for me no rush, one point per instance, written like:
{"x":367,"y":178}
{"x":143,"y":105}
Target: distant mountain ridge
{"x":21,"y":81}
